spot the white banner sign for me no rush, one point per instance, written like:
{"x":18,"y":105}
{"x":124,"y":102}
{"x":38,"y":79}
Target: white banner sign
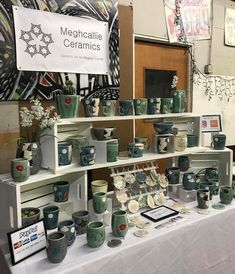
{"x":47,"y":41}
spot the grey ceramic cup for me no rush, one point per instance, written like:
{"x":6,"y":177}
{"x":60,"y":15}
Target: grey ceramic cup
{"x":56,"y":247}
{"x":81,"y":219}
{"x":20,"y":169}
{"x":61,"y":191}
{"x":68,"y":228}
{"x":112,"y":151}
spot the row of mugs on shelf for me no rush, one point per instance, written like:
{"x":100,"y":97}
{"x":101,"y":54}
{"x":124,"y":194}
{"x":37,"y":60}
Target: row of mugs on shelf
{"x":139,"y":106}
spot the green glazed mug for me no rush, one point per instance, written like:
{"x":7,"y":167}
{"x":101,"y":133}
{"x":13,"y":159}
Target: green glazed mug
{"x":95,"y":234}
{"x":61,"y":191}
{"x":166,"y":105}
{"x":140,"y":106}
{"x":219,"y":141}
{"x":68,"y":228}
{"x":108,"y":107}
{"x":100,"y":202}
{"x":51,"y":216}
{"x":112,"y":151}
{"x":20,"y":169}
{"x":192,"y":140}
{"x":56,"y":247}
{"x":226,"y":194}
{"x":119,"y":223}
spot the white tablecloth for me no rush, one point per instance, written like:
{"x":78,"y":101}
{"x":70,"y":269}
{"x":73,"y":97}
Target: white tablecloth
{"x":200,"y":244}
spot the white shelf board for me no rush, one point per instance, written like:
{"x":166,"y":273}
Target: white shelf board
{"x":121,"y":118}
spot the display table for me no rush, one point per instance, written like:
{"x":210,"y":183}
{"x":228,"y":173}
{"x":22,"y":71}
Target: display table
{"x":200,"y":244}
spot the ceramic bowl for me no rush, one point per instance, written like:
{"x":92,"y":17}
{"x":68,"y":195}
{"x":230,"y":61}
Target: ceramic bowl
{"x":29,"y":215}
{"x":163,"y":127}
{"x":102,"y":133}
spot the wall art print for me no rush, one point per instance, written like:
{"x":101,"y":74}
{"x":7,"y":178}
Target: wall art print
{"x":24,"y":85}
{"x":229,"y":27}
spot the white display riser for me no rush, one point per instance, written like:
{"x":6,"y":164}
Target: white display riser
{"x":14,"y":196}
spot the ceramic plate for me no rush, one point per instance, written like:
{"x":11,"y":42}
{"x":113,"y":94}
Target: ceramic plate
{"x":149,"y":181}
{"x":140,"y":177}
{"x":133,"y":206}
{"x":121,"y":196}
{"x":119,"y":182}
{"x":150,"y":201}
{"x":129,"y":178}
{"x":218,"y":206}
{"x":204,"y":211}
{"x":114,"y":243}
{"x":142,"y":200}
{"x":135,"y":187}
{"x":143,"y":224}
{"x":154,"y":175}
{"x":162,"y":180}
{"x":159,"y":198}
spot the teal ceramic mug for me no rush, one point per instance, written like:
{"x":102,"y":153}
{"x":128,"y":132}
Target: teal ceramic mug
{"x":100,"y":202}
{"x":51,"y":216}
{"x":68,"y":228}
{"x":81,"y":219}
{"x":140,"y":106}
{"x":56,"y":247}
{"x":112,"y":151}
{"x":219,"y":141}
{"x":226,"y":194}
{"x":166,"y":105}
{"x":154,"y":105}
{"x":91,"y":106}
{"x":135,"y":150}
{"x":20,"y":170}
{"x":183,"y":163}
{"x":126,"y":107}
{"x":64,"y":153}
{"x":95,"y":234}
{"x":119,"y":223}
{"x":61,"y":191}
{"x":191,"y":140}
{"x":109,"y":107}
{"x":87,"y":155}
{"x":143,"y":140}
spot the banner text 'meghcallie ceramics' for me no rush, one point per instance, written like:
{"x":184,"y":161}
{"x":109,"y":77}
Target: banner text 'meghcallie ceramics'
{"x":95,"y":234}
{"x":20,"y":169}
{"x":119,"y":223}
{"x":56,"y":247}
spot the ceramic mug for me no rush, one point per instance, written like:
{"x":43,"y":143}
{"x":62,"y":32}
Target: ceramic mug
{"x":180,"y":142}
{"x":87,"y":155}
{"x":119,"y":223}
{"x":61,"y":191}
{"x":78,"y":141}
{"x":143,"y":140}
{"x":56,"y":248}
{"x":203,"y":197}
{"x":20,"y":170}
{"x":112,"y":151}
{"x":166,"y":105}
{"x":191,"y":140}
{"x":51,"y":216}
{"x":210,"y":186}
{"x":100,"y":203}
{"x":95,"y":234}
{"x":173,"y":175}
{"x":183,"y":163}
{"x":226,"y":194}
{"x":99,"y":186}
{"x":126,"y":107}
{"x":68,"y":228}
{"x":154,"y":105}
{"x":135,"y":150}
{"x":81,"y":219}
{"x":109,"y":107}
{"x":178,"y":101}
{"x":219,"y":141}
{"x":64,"y":153}
{"x":190,"y":181}
{"x":91,"y":107}
{"x":140,"y":106}
{"x":163,"y":144}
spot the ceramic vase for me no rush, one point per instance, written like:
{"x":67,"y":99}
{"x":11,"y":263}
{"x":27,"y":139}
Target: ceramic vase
{"x":119,"y":223}
{"x":100,"y":202}
{"x":68,"y":105}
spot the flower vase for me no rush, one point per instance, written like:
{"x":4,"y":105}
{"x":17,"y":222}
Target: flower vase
{"x":31,"y":152}
{"x":68,"y":105}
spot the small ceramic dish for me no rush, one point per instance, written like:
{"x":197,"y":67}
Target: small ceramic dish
{"x":135,"y":187}
{"x":129,"y":178}
{"x":121,"y":196}
{"x":150,"y":201}
{"x":142,"y":224}
{"x":154,"y":175}
{"x":218,"y":206}
{"x":141,"y":233}
{"x":149,"y":181}
{"x":133,"y":206}
{"x":119,"y":182}
{"x":141,"y":177}
{"x":162,"y":180}
{"x":142,"y":200}
{"x":159,"y":198}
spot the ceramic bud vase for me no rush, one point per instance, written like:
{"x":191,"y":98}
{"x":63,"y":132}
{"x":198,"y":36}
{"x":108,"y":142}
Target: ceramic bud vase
{"x":100,"y":202}
{"x":31,"y":152}
{"x":56,"y":247}
{"x":95,"y":234}
{"x":119,"y":223}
